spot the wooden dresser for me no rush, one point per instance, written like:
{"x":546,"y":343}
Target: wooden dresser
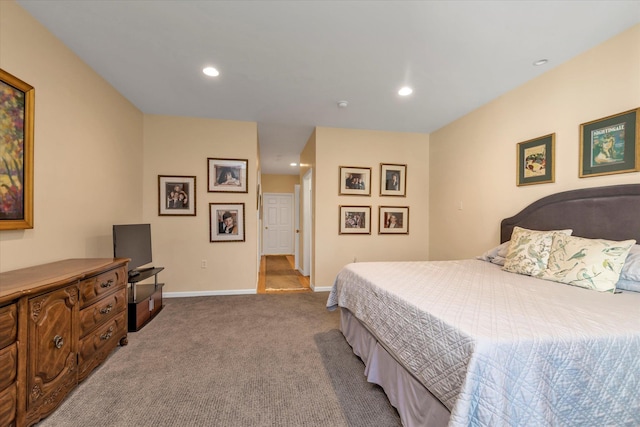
{"x":58,"y":321}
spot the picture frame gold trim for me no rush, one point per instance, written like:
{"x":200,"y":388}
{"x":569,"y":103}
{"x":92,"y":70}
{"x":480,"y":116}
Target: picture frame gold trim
{"x":16,"y":174}
{"x":354,"y":220}
{"x":176,"y":195}
{"x":389,"y":187}
{"x":393,"y":219}
{"x":217,"y":214}
{"x":610,"y":145}
{"x":347,"y":187}
{"x":536,"y":160}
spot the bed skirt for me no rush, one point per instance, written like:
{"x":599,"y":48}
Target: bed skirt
{"x":415,"y":404}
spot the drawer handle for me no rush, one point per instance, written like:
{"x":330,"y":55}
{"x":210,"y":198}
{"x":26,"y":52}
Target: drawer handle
{"x":107,"y":335}
{"x":106,"y":309}
{"x":58,"y":341}
{"x":106,"y":284}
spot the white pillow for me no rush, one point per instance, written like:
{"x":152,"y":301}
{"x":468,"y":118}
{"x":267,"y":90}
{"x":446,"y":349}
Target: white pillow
{"x":529,"y":250}
{"x":588,"y":263}
{"x":628,"y":285}
{"x":631,"y":267}
{"x":496,"y":255}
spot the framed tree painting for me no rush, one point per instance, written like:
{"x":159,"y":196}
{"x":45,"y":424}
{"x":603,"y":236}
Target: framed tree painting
{"x":393,"y":179}
{"x":610,"y":145}
{"x":536,"y":160}
{"x":226,"y":222}
{"x":355,"y":220}
{"x":227,"y":175}
{"x":355,"y":181}
{"x":17,"y":100}
{"x":393,"y":220}
{"x":176,"y":195}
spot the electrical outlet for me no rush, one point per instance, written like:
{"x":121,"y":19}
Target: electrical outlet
{"x":203,"y":263}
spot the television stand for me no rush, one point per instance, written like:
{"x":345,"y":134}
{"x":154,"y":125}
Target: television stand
{"x":144,"y":300}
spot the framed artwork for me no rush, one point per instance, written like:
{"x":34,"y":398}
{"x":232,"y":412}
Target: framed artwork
{"x":355,"y":181}
{"x":227,"y":175}
{"x":17,"y":100}
{"x":393,"y":180}
{"x":176,"y":195}
{"x":393,"y":220}
{"x":610,"y":145}
{"x":226,"y":222}
{"x":536,"y":160}
{"x":355,"y":220}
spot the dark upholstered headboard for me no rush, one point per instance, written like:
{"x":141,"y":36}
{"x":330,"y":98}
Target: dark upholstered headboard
{"x":603,"y":212}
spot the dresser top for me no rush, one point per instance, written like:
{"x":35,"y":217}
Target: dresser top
{"x":40,"y":278}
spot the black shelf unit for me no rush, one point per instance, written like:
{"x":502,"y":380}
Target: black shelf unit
{"x":144,"y":300}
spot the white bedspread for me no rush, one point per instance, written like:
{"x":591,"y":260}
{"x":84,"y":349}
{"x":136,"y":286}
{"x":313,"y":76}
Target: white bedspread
{"x":502,"y":349}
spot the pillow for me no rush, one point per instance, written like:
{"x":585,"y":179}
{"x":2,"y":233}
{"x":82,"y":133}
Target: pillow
{"x":631,"y":267}
{"x":588,"y":263}
{"x":529,"y":250}
{"x":496,"y":255}
{"x":628,"y":285}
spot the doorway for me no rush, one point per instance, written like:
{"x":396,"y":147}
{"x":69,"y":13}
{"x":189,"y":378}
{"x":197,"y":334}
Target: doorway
{"x":278,"y":272}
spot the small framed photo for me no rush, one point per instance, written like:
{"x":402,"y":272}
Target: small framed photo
{"x":176,"y":195}
{"x":536,"y":160}
{"x":226,"y":222}
{"x":393,"y":220}
{"x":355,"y":181}
{"x":227,"y":175}
{"x":393,"y":180}
{"x":610,"y":145}
{"x":355,"y":220}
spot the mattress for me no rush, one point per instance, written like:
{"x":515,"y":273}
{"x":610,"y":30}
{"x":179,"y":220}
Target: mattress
{"x":497,"y":348}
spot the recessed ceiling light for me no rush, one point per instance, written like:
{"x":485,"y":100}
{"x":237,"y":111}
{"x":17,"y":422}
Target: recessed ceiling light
{"x":405,"y":91}
{"x":293,"y":164}
{"x":210,"y":71}
{"x":540,"y":62}
{"x":343,"y":104}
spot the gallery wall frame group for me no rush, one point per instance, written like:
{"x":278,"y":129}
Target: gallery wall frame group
{"x":608,"y":145}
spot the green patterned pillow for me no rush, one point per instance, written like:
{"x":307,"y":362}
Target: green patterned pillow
{"x":588,"y":263}
{"x":529,"y":250}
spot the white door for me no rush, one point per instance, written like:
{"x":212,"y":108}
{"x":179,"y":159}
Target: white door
{"x":278,"y":224}
{"x":307,"y":245}
{"x":296,"y":226}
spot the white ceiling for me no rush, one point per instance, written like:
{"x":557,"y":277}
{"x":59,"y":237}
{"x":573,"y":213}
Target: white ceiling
{"x":286,"y":64}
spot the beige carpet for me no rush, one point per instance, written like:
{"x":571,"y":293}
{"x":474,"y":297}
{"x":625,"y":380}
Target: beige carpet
{"x":232,"y":361}
{"x":280,"y":275}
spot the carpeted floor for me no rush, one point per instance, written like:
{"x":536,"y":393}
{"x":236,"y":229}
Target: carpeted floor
{"x":279,"y":274}
{"x":241,"y":360}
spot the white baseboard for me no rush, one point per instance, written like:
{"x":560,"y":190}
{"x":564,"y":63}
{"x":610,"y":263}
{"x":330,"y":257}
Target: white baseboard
{"x":231,"y":292}
{"x":207,"y":293}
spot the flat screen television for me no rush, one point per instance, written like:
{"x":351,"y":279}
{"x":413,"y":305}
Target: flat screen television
{"x":133,"y":241}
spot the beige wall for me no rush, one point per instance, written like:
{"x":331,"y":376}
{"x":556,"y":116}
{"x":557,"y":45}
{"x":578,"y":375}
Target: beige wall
{"x":364,"y":148}
{"x":279,"y":183}
{"x":181,"y":146}
{"x":473,"y":159}
{"x":87,"y":149}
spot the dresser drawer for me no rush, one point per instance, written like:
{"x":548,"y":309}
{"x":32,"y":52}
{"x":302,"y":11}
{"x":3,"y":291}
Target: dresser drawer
{"x":102,"y":311}
{"x":8,"y":325}
{"x":8,"y":365}
{"x":93,"y":288}
{"x":8,"y":404}
{"x":96,"y":346}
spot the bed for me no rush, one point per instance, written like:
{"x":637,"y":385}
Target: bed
{"x":468,"y":343}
